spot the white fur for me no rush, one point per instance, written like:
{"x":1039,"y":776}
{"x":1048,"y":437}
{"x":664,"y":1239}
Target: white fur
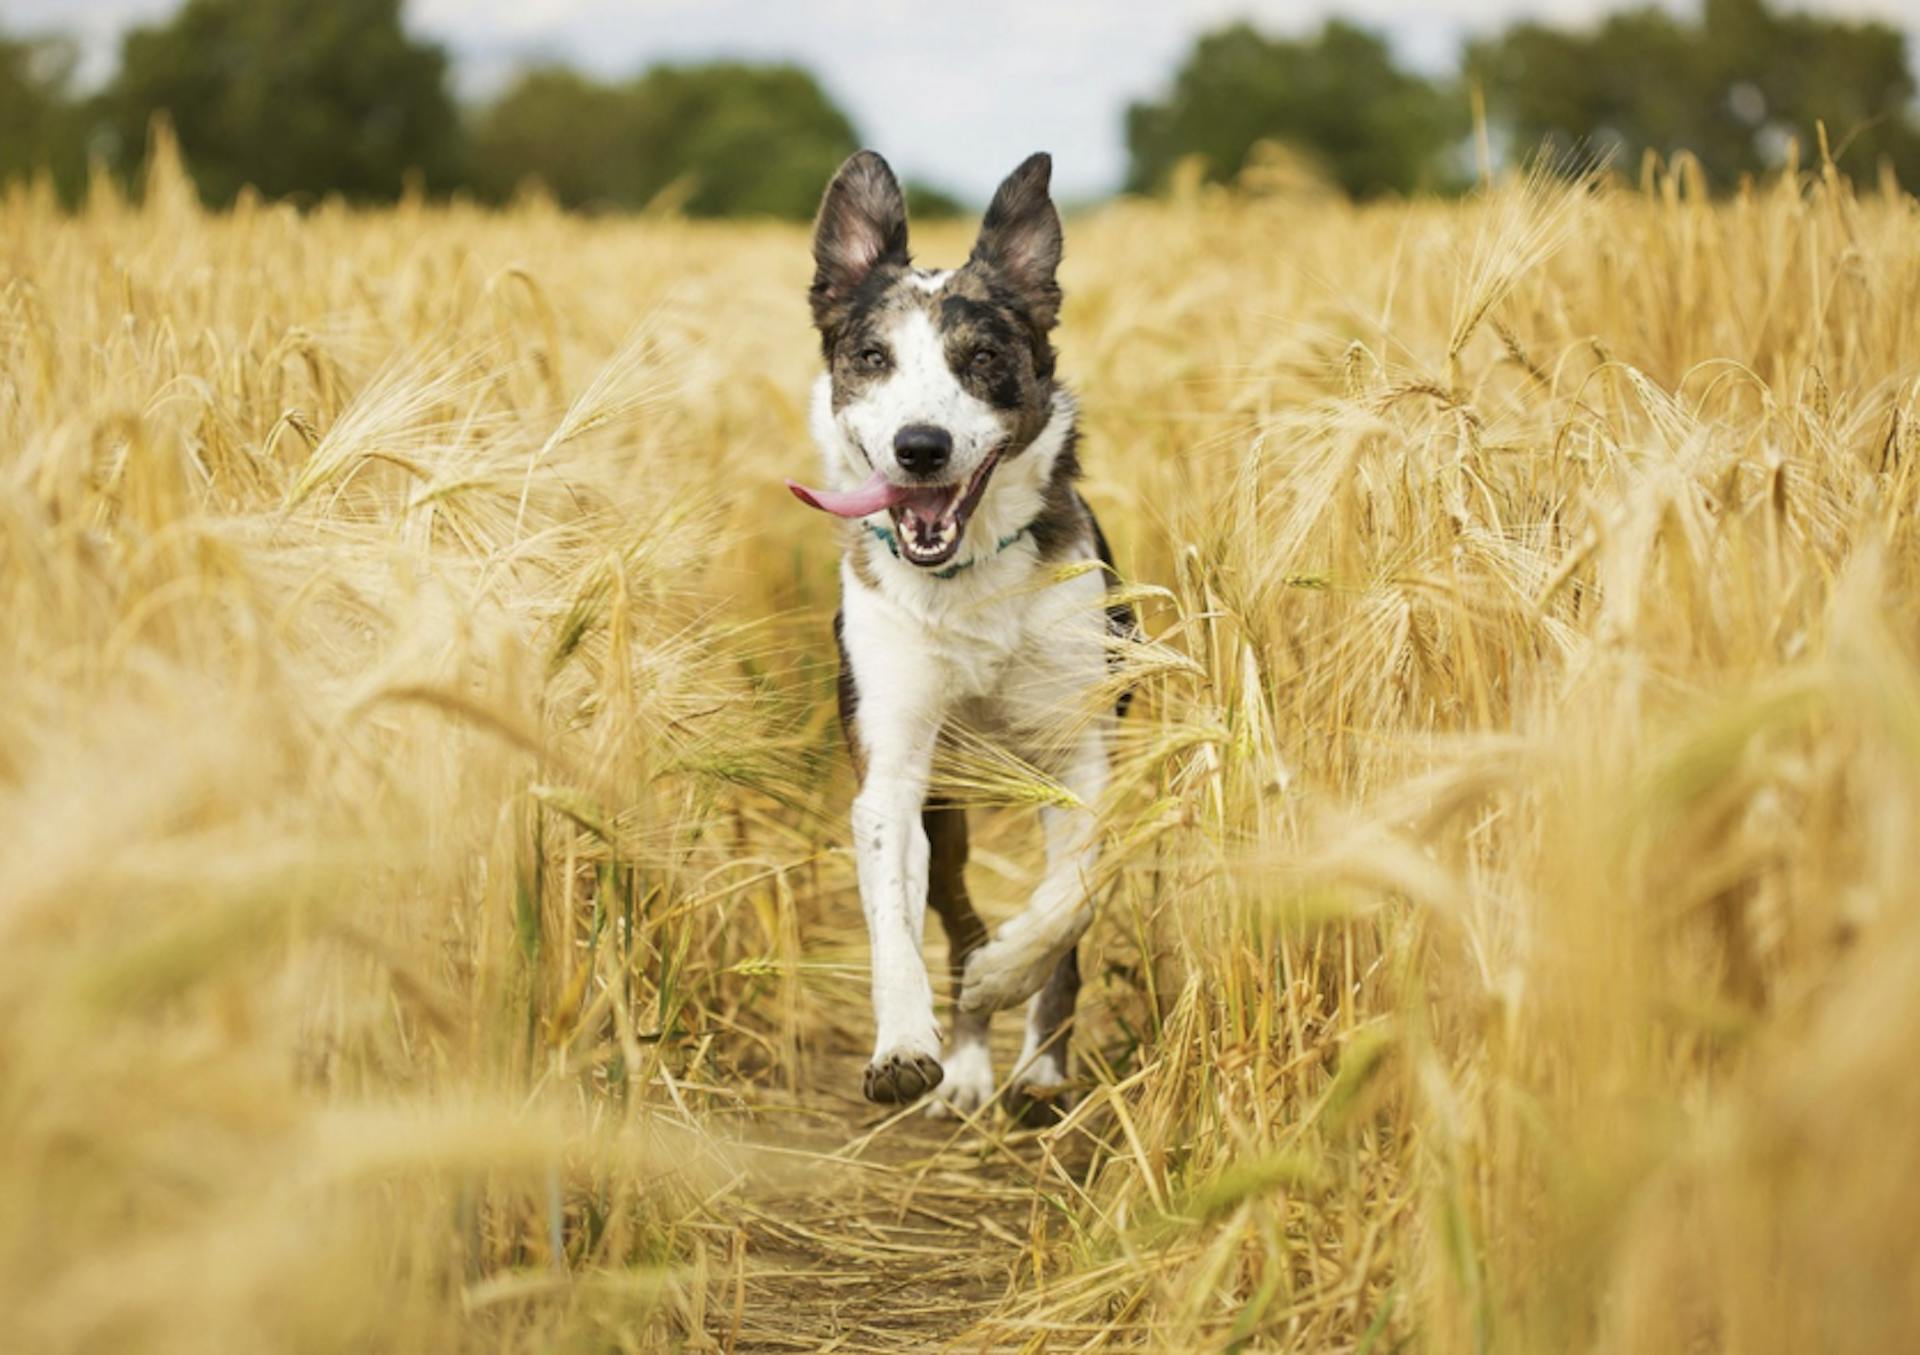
{"x":967,"y":1087}
{"x":1023,"y":952}
{"x":1001,"y":647}
{"x":1037,"y":1067}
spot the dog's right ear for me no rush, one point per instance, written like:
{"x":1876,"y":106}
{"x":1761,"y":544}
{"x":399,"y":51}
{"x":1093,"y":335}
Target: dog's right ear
{"x":862,"y":225}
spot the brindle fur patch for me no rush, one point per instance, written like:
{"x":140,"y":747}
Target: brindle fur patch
{"x":946,"y":828}
{"x":859,"y":325}
{"x":1064,"y":516}
{"x":848,"y":692}
{"x":994,"y":348}
{"x":859,"y":557}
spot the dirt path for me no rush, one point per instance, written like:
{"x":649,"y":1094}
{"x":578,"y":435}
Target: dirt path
{"x":874,"y":1232}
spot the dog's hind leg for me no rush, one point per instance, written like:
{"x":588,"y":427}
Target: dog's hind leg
{"x":1025,"y":952}
{"x":1038,"y":1095}
{"x":968,"y":1062}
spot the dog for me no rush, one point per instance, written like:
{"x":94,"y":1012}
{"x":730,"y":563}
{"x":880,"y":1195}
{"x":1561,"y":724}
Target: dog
{"x":950,"y":450}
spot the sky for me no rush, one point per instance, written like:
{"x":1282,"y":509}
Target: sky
{"x":956,"y":93}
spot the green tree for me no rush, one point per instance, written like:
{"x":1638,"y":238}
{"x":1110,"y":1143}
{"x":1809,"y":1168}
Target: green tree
{"x":291,"y":96}
{"x":42,"y":126}
{"x":723,"y":139}
{"x":927,"y":203}
{"x":1337,"y":97}
{"x":564,"y":130}
{"x":1732,"y":88}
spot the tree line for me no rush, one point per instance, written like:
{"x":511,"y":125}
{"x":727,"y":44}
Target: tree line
{"x":1735,"y":87}
{"x":306,"y":98}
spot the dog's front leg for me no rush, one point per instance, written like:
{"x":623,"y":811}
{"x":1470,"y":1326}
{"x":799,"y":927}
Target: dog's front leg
{"x":1017,"y":961}
{"x":891,"y":846}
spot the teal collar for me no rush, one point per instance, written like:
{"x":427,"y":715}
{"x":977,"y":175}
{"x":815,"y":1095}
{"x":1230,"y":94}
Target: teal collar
{"x":886,"y":535}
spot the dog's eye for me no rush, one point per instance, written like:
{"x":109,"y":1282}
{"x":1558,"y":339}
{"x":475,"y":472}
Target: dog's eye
{"x":873,"y":359}
{"x":983,"y":359}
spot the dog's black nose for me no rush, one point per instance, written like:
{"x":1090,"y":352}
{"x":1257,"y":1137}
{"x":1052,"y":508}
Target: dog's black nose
{"x":922,"y":449}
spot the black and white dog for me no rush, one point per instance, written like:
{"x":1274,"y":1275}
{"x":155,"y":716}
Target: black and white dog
{"x":950,"y":449}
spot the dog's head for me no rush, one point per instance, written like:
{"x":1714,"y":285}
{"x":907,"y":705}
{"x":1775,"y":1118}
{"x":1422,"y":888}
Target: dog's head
{"x":938,"y":378}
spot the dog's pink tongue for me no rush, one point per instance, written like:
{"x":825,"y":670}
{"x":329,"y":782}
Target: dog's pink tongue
{"x":875,"y":494}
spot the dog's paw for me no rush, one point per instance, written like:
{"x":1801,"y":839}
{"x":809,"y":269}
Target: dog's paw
{"x":1033,"y":1105}
{"x":968,"y":1085}
{"x":1007,"y":970}
{"x":900,"y":1076}
{"x":1039,"y":1095}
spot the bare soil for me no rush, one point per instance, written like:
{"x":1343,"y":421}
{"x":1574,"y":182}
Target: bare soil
{"x":876,"y":1229}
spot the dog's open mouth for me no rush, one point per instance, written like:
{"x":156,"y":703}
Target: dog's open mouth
{"x":928,"y":521}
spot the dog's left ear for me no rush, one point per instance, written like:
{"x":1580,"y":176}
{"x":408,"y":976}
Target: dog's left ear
{"x":1020,"y":238}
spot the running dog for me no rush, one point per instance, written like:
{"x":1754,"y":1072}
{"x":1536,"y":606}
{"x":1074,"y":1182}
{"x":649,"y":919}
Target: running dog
{"x":949,"y":449}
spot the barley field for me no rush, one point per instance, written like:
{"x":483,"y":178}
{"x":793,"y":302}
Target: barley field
{"x":425,"y":919}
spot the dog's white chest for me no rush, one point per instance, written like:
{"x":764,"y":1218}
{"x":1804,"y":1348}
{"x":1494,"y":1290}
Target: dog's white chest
{"x":1007,"y":649}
